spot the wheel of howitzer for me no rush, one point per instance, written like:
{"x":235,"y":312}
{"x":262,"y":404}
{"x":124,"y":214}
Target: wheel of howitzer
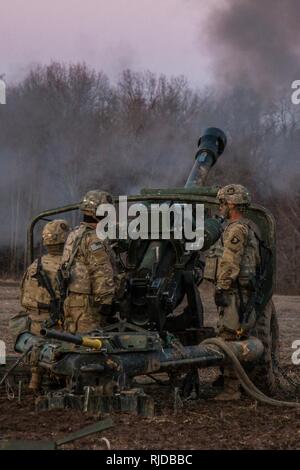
{"x":264,"y":373}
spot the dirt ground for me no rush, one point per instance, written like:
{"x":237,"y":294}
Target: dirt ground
{"x":200,"y":424}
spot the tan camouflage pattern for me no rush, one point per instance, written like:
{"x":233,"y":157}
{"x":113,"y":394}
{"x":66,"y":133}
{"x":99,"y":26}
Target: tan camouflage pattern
{"x":81,"y":314}
{"x":234,"y":257}
{"x":93,"y":199}
{"x":79,"y":275}
{"x":93,"y":278}
{"x":93,"y":269}
{"x":234,"y":241}
{"x":240,"y":255}
{"x":239,"y":261}
{"x":55,"y":232}
{"x":234,"y":194}
{"x":32,"y":294}
{"x":212,"y":259}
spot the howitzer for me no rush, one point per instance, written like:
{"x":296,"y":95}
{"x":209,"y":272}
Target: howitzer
{"x":125,"y":355}
{"x":147,"y":333}
{"x":162,"y":272}
{"x":102,"y":380}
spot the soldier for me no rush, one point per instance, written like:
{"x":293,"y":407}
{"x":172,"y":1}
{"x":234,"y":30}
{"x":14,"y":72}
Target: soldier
{"x":236,"y":257}
{"x":89,"y":266}
{"x":39,"y":290}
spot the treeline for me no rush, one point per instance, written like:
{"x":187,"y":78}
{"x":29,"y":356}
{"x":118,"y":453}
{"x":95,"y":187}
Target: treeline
{"x":68,"y":129}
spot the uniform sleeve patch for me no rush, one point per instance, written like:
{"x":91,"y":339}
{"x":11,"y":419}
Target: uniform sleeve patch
{"x":96,"y":246}
{"x":235,"y":240}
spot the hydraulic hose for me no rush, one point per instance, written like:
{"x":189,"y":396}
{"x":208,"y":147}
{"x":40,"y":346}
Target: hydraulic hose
{"x":246,"y":383}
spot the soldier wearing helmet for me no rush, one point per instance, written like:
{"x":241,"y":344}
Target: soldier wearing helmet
{"x":39,"y":289}
{"x":88,"y":264}
{"x":234,"y":261}
{"x":35,"y":297}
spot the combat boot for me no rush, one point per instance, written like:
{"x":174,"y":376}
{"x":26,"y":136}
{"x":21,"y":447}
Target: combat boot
{"x":231,"y":389}
{"x":36,"y":379}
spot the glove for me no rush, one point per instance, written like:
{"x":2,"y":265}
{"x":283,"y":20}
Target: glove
{"x":105,"y":310}
{"x":221,"y":298}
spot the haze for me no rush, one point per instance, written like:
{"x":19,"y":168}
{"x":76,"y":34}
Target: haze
{"x":160,"y":35}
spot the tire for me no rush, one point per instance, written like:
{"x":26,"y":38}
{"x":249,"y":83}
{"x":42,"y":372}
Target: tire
{"x":264,"y":373}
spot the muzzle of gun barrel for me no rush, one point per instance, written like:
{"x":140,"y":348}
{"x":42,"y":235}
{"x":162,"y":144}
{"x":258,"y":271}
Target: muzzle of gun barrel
{"x":210,"y":146}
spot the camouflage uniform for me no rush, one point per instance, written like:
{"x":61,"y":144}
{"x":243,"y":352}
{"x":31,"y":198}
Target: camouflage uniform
{"x":231,"y":264}
{"x":91,"y":269}
{"x":35,"y":298}
{"x":236,"y":273}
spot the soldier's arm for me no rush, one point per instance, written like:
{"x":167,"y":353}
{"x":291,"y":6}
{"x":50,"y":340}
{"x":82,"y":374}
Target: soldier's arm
{"x":100,"y":270}
{"x":68,"y":248}
{"x":235,"y":238}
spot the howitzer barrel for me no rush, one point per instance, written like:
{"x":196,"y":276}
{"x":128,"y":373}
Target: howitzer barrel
{"x":247,"y":351}
{"x":79,"y":340}
{"x":211,"y":145}
{"x":201,"y":356}
{"x":132,"y":363}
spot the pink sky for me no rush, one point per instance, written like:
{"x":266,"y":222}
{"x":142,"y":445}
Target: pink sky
{"x":159,"y":35}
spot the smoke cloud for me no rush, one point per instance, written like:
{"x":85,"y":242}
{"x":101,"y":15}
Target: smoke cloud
{"x":255,"y":43}
{"x":68,"y":129}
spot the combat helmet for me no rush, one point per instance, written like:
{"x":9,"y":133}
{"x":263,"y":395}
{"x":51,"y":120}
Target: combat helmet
{"x":55,"y":232}
{"x":234,"y":194}
{"x":92,"y":200}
